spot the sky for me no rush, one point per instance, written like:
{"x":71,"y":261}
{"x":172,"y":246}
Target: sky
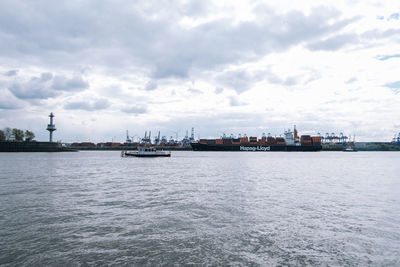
{"x":222,"y":67}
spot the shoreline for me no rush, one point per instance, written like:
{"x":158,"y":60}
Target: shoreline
{"x":58,"y":147}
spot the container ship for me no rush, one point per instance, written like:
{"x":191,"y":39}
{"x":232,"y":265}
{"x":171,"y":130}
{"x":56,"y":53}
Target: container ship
{"x":290,"y":142}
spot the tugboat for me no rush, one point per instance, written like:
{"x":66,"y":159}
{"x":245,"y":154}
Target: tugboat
{"x":349,"y":149}
{"x":146,"y":152}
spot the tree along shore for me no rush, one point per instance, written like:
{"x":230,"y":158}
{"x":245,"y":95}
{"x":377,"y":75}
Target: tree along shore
{"x":8,"y":134}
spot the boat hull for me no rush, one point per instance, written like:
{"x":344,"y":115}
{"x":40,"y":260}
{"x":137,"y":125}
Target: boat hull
{"x":254,"y":148}
{"x":146,"y":155}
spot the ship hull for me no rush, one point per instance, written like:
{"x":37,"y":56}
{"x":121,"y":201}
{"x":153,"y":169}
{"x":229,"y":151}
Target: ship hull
{"x":254,"y":148}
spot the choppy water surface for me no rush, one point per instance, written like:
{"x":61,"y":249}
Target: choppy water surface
{"x":200,"y":208}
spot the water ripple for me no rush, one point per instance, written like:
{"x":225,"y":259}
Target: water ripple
{"x":236,"y":209}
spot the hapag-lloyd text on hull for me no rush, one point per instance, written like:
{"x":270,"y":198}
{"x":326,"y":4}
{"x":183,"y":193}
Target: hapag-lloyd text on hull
{"x":255,"y":148}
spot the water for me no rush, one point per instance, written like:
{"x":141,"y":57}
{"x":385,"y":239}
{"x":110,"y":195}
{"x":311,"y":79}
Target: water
{"x":200,"y":208}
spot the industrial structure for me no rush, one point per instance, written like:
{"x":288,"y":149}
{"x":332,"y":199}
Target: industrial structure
{"x":51,"y":127}
{"x":161,"y":140}
{"x":333,"y":138}
{"x":396,"y":140}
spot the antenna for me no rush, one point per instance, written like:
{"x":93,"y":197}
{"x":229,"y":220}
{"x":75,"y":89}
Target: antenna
{"x":176,"y":133}
{"x":128,"y":140}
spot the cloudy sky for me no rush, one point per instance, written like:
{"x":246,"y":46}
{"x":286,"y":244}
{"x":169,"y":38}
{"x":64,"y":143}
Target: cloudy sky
{"x":252,"y":67}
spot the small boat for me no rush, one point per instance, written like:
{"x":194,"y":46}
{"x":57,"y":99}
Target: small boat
{"x":351,"y":146}
{"x":146,"y":152}
{"x":350,"y":149}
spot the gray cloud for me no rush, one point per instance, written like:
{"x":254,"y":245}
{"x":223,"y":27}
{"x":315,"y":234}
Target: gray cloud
{"x":195,"y":91}
{"x":46,"y":86}
{"x":11,"y":73}
{"x":100,"y":104}
{"x":44,"y":77}
{"x":35,"y":88}
{"x":78,"y":105}
{"x":272,"y":78}
{"x":150,"y":86}
{"x":351,"y":80}
{"x":6,"y":104}
{"x":97,"y":104}
{"x":379,"y":34}
{"x":135,"y":109}
{"x":53,"y":34}
{"x":337,"y":42}
{"x":393,"y":84}
{"x":76,"y":83}
{"x":291,"y":80}
{"x":8,"y":100}
{"x":238,"y":80}
{"x":218,"y":90}
{"x":234,"y":102}
{"x":195,"y":8}
{"x":242,"y":80}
